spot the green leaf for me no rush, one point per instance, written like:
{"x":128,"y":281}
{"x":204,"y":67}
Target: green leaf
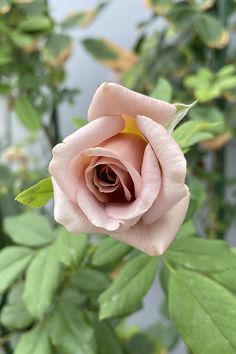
{"x":201,"y":255}
{"x":90,"y":280}
{"x":4,"y":6}
{"x":27,"y":114}
{"x":29,"y":229}
{"x":79,"y":122}
{"x":42,"y":280}
{"x":13,"y":261}
{"x":71,"y":248}
{"x":109,"y":251}
{"x":35,"y":341}
{"x":16,"y":316}
{"x":162,"y":90}
{"x":110,"y":54}
{"x":70,"y":331}
{"x":226,"y":278}
{"x":100,"y":49}
{"x":21,"y":40}
{"x":187,"y":229}
{"x":211,"y":115}
{"x":106,"y":339}
{"x":82,"y":19}
{"x":57,"y":49}
{"x":204,"y":313}
{"x":211,"y":31}
{"x":226,"y":70}
{"x":126,"y":292}
{"x":181,"y":111}
{"x":35,"y":24}
{"x":192,"y":132}
{"x":38,"y":195}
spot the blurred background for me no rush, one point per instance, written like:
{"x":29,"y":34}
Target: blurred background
{"x":55,"y":54}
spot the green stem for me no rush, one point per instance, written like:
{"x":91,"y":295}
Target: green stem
{"x":55,"y":124}
{"x":222,"y":12}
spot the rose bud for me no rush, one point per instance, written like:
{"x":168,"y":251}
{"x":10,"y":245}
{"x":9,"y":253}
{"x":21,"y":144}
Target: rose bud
{"x":122,"y":174}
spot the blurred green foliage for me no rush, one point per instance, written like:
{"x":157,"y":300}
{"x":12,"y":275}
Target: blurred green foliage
{"x":71,"y":295}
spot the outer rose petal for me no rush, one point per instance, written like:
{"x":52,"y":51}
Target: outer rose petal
{"x":113,"y":99}
{"x":173,"y":165}
{"x":155,"y":239}
{"x":70,"y":215}
{"x":65,"y":155}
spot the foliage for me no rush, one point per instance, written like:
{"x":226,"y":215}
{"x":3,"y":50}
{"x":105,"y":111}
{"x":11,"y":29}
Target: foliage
{"x":68,"y":294}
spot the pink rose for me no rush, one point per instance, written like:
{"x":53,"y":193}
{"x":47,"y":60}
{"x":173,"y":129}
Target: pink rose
{"x":122,"y":174}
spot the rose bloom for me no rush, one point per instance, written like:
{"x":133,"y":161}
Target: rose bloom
{"x":122,"y":174}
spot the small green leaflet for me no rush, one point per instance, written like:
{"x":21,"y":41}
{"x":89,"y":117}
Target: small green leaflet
{"x":38,"y":195}
{"x":90,"y":281}
{"x":162,"y":90}
{"x":70,"y":248}
{"x":35,"y":24}
{"x":13,"y":261}
{"x":70,"y":331}
{"x":126,"y":292}
{"x":42,"y":280}
{"x":16,"y":316}
{"x":27,"y":114}
{"x":193,"y":132}
{"x":29,"y":229}
{"x":35,"y":341}
{"x":109,"y":251}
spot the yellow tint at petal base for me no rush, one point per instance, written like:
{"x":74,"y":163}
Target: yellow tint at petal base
{"x":131,"y":126}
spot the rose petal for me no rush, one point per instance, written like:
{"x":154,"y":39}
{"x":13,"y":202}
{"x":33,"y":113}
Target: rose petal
{"x":65,"y":155}
{"x":114,"y":99}
{"x":70,"y":215}
{"x":98,"y":151}
{"x":130,"y":213}
{"x":173,"y":165}
{"x":125,"y":181}
{"x":129,"y":147}
{"x":93,"y":209}
{"x":155,"y":239}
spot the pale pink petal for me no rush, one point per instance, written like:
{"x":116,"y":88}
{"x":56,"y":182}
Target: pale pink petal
{"x":100,"y":188}
{"x":155,"y":239}
{"x":173,"y":166}
{"x":70,"y":215}
{"x":134,"y":174}
{"x":130,"y":213}
{"x":114,"y":99}
{"x":129,"y":148}
{"x":125,"y":180}
{"x":90,"y":205}
{"x":63,"y":166}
